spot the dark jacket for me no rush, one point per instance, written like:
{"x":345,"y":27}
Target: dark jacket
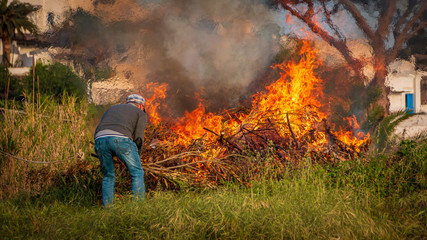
{"x":126,"y":119}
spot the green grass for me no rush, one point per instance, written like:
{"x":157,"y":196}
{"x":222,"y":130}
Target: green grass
{"x":302,"y":205}
{"x":394,"y":175}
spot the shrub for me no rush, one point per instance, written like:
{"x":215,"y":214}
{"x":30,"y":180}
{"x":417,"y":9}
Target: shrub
{"x":382,"y":134}
{"x":102,"y":74}
{"x":15,"y":88}
{"x":56,"y":79}
{"x":394,"y":174}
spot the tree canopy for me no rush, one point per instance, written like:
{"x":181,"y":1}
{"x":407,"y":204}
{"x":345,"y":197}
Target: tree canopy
{"x":386,"y":24}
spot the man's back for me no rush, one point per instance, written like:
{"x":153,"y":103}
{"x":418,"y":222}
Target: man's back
{"x":126,"y":119}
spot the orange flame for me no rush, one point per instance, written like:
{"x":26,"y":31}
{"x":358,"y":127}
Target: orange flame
{"x":191,"y":125}
{"x":154,"y":102}
{"x":296,"y":90}
{"x":292,"y":103}
{"x":348,"y":138}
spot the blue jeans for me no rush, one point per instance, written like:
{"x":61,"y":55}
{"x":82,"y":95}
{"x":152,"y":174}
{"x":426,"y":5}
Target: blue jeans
{"x":125,"y":149}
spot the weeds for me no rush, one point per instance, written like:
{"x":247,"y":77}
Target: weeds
{"x":398,"y":174}
{"x":300,"y":205}
{"x":43,"y":138}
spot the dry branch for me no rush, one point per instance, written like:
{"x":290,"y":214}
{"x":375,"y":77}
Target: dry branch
{"x":239,"y":155}
{"x":292,"y":132}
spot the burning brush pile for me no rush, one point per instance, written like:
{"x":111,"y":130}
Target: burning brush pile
{"x":283,"y":126}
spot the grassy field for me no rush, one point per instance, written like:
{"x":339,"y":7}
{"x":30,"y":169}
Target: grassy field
{"x":304,"y":205}
{"x":382,"y":196}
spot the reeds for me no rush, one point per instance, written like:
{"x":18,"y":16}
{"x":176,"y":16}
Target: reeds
{"x":38,"y":138}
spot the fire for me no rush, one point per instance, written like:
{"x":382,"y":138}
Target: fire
{"x":192,"y":126}
{"x":348,"y":138}
{"x":291,"y":104}
{"x":294,"y":94}
{"x":154,"y":102}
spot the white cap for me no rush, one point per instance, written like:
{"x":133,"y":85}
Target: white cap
{"x":135,"y":98}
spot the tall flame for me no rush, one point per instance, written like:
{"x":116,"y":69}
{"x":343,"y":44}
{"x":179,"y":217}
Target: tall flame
{"x":292,"y":104}
{"x":294,"y":95}
{"x":154,"y":102}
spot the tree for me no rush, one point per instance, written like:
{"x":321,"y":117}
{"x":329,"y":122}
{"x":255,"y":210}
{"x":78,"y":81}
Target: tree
{"x":14,"y":21}
{"x":394,"y":27}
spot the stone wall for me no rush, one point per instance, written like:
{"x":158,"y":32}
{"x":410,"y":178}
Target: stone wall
{"x":110,"y":91}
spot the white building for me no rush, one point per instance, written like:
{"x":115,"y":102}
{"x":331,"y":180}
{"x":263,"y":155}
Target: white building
{"x":408,"y":87}
{"x":51,"y":12}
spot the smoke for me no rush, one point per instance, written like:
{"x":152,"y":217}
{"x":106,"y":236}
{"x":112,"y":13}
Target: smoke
{"x":211,"y":48}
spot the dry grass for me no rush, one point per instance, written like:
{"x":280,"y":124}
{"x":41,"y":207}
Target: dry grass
{"x":50,"y":134}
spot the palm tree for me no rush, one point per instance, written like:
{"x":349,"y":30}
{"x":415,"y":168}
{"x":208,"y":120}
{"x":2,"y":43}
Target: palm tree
{"x":14,"y":21}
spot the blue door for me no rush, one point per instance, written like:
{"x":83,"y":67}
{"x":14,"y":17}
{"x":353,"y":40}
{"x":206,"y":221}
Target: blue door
{"x":410,"y":102}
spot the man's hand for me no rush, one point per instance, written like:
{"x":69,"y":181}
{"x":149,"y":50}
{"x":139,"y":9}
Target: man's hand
{"x":138,"y":143}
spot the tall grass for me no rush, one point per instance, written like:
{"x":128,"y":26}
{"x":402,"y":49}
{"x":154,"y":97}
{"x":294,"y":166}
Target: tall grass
{"x":383,"y":197}
{"x":44,"y":131}
{"x":302,"y":205}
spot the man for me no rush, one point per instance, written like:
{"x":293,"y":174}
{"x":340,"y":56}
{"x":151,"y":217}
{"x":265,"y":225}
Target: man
{"x":121,"y":133}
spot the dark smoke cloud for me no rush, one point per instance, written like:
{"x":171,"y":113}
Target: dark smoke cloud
{"x":215,"y":46}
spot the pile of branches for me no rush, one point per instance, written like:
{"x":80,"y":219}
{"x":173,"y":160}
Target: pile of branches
{"x":256,"y":149}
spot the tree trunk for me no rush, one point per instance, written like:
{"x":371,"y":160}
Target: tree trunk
{"x":380,"y":66}
{"x":6,"y":48}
